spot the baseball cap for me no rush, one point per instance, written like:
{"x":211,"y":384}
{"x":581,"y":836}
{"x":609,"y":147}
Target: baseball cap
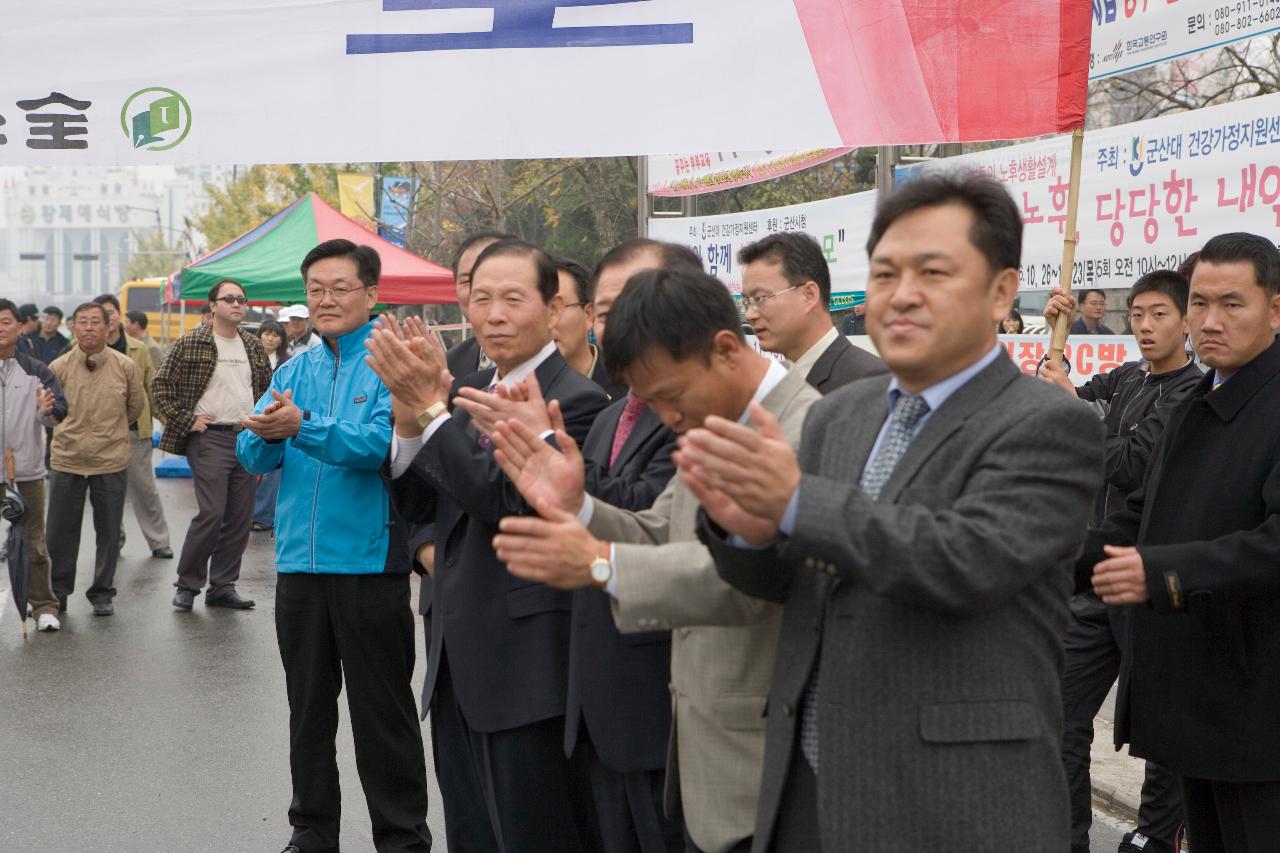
{"x":295,"y":312}
{"x":30,"y":311}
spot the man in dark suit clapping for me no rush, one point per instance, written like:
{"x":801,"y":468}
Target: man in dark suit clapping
{"x":916,"y":701}
{"x":498,"y":665}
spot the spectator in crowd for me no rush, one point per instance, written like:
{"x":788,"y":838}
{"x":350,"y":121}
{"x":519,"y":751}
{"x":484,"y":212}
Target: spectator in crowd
{"x":206,"y":316}
{"x":467,"y":357}
{"x":135,"y":326}
{"x":147,"y":507}
{"x":1135,"y":401}
{"x":922,"y":571}
{"x":786,"y":291}
{"x":29,"y":316}
{"x":1093,"y":308}
{"x":297,"y":323}
{"x":342,"y":586}
{"x":1197,"y":548}
{"x":205,"y":389}
{"x":104,"y":394}
{"x":855,"y":323}
{"x":31,"y":401}
{"x":675,"y":336}
{"x":276,"y":342}
{"x":573,"y":331}
{"x":618,"y":713}
{"x":498,"y":670}
{"x":1012,"y":323}
{"x":47,"y":343}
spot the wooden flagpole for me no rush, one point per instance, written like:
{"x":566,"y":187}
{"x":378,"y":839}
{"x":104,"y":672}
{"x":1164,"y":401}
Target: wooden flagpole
{"x":1061,"y":328}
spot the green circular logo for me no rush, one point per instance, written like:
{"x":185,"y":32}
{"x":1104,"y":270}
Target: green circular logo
{"x":156,"y":118}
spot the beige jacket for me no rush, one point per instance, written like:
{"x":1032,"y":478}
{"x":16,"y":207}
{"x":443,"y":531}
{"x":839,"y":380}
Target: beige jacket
{"x":101,"y":404}
{"x":722,"y":646}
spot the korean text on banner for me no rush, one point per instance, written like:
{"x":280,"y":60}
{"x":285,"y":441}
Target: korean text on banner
{"x":1132,"y":34}
{"x":1089,"y":355}
{"x":841,"y":225}
{"x":835,"y":73}
{"x":674,"y":175}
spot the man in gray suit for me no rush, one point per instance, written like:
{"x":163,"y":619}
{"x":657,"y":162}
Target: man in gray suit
{"x":922,"y":543}
{"x":675,"y":337}
{"x":786,"y":296}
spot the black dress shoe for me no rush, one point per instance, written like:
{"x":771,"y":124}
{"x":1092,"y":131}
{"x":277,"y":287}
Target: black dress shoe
{"x":228,"y":599}
{"x":165,"y":553}
{"x":183,"y":599}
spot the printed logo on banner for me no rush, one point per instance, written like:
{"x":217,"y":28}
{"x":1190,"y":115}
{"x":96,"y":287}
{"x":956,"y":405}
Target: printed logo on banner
{"x":517,"y":24}
{"x":156,"y":118}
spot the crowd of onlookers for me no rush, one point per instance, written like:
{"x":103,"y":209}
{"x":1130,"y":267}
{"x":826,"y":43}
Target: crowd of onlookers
{"x":679,"y":594}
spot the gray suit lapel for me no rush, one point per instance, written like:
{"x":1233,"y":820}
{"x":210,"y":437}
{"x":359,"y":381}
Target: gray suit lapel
{"x":973,"y":396}
{"x":855,"y":433}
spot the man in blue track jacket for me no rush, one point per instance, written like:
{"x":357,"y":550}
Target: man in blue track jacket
{"x":342,"y":588}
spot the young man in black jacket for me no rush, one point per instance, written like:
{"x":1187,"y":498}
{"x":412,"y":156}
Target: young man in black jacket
{"x":1134,"y":401}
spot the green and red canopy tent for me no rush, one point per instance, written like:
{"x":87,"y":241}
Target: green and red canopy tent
{"x":266,"y":261}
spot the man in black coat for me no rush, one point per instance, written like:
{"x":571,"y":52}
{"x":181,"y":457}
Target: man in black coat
{"x":467,"y":357}
{"x":786,"y":292}
{"x":1197,"y":550}
{"x":498,"y":666}
{"x":1134,"y":401}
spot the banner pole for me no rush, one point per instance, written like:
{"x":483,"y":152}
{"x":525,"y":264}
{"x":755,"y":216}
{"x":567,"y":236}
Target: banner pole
{"x":1057,"y":344}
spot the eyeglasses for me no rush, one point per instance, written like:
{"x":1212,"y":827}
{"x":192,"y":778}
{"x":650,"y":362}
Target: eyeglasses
{"x":233,"y":300}
{"x":318,"y":293}
{"x":749,"y":302}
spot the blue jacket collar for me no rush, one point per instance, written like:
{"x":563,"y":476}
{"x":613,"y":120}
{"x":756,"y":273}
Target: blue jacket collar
{"x":351,"y":344}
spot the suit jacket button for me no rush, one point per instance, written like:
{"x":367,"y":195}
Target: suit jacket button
{"x":787,"y":709}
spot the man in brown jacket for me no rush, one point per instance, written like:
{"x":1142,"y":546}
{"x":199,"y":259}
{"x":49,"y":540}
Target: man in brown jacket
{"x":207,"y":385}
{"x":91,"y":452}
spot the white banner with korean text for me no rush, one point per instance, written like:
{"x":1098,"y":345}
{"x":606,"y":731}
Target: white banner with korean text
{"x":1132,"y":34}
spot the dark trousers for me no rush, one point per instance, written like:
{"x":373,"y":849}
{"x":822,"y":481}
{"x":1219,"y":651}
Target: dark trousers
{"x":224,"y":497}
{"x":507,"y":792}
{"x":628,"y":807}
{"x":1093,"y":646}
{"x":360,"y":627}
{"x":797,"y":824}
{"x":62,"y":533}
{"x":1232,"y":817}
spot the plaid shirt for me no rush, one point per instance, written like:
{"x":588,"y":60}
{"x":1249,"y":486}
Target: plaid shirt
{"x":182,"y":379}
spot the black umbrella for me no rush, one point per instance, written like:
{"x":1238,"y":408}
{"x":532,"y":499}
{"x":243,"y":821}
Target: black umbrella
{"x":12,"y":508}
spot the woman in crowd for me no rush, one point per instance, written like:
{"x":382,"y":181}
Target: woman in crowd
{"x":276,"y":343}
{"x":1012,"y":325}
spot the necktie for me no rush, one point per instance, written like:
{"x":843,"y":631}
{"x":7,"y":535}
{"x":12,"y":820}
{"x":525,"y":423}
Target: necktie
{"x":626,"y":424}
{"x":483,"y":440}
{"x":484,"y":362}
{"x":902,"y":426}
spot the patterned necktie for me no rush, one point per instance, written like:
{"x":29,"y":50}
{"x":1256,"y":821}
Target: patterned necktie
{"x":907,"y":413}
{"x":631,"y":413}
{"x":484,"y":362}
{"x":483,"y":440}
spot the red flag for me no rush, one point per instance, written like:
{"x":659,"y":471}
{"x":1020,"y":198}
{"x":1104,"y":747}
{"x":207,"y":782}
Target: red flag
{"x":949,"y":70}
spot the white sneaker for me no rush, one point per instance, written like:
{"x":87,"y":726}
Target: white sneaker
{"x":48,"y":622}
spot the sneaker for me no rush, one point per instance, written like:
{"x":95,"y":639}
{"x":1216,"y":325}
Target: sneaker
{"x":103,"y":608}
{"x":48,"y":622}
{"x":258,"y":527}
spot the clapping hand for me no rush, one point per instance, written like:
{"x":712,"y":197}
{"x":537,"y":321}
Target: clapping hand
{"x":279,"y":420}
{"x":541,"y":473}
{"x":521,"y":401}
{"x":410,"y":360}
{"x":555,"y":549}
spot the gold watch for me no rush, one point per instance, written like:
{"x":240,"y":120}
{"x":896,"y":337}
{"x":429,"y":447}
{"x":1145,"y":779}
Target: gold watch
{"x":430,"y":413}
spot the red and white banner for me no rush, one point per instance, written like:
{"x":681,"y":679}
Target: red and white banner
{"x":1089,"y":355}
{"x":673,"y":175}
{"x":216,"y":81}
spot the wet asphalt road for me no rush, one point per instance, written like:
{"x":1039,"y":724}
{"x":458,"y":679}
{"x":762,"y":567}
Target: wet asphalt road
{"x":154,"y":730}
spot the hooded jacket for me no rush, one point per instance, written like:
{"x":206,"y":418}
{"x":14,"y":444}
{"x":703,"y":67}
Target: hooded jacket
{"x":22,"y":428}
{"x":333,"y":514}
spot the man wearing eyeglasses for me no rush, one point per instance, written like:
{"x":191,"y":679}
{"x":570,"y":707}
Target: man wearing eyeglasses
{"x":786,"y":291}
{"x":571,"y":333}
{"x":205,"y":388}
{"x":90,"y":453}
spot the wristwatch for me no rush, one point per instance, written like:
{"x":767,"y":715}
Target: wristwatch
{"x":601,"y":571}
{"x":430,"y":413}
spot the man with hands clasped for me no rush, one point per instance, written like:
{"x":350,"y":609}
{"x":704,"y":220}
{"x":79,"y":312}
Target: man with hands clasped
{"x":675,"y":337}
{"x":498,"y":662}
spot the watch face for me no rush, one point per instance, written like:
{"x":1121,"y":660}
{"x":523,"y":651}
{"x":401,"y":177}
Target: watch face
{"x":601,"y":570}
